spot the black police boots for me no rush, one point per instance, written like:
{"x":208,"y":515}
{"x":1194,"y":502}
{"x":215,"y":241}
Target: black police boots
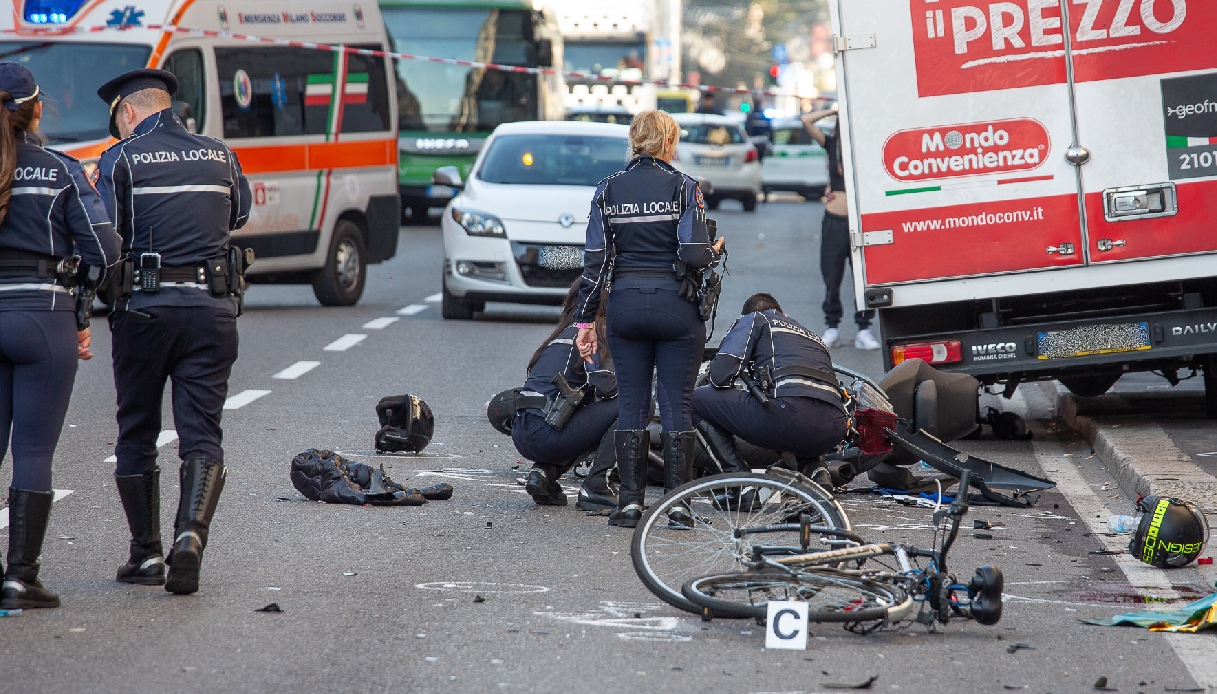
{"x":677,"y":466}
{"x":543,"y":487}
{"x":28,"y":513}
{"x":596,"y":494}
{"x":816,"y":469}
{"x":141,"y":497}
{"x":202,"y":482}
{"x":632,"y":446}
{"x":720,"y":444}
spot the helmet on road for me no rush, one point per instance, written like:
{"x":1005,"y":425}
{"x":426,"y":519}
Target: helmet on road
{"x":501,"y":410}
{"x":406,"y":424}
{"x":1171,"y":533}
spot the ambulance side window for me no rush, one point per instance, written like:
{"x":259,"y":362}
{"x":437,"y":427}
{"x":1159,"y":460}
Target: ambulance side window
{"x":366,"y":95}
{"x":190,"y":101}
{"x":270,"y":92}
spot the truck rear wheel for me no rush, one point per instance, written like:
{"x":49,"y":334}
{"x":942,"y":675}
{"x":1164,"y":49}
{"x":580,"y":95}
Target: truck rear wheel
{"x":341,"y":281}
{"x":1091,"y":385}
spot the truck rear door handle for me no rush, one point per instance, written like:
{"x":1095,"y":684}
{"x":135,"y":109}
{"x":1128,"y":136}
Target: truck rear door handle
{"x":1108,"y":244}
{"x":1139,"y":202}
{"x":1063,"y":249}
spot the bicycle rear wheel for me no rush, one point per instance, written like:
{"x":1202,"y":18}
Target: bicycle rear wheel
{"x":831,"y":596}
{"x":665,"y":558}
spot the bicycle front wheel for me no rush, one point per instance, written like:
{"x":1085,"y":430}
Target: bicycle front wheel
{"x":831,"y":596}
{"x":666,"y":557}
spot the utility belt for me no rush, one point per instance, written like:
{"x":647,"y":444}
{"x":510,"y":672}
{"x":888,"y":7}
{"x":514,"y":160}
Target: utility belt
{"x":702,"y":286}
{"x":768,"y":379}
{"x":221,"y":276}
{"x":15,"y":264}
{"x":557,"y":410}
{"x":658,"y":273}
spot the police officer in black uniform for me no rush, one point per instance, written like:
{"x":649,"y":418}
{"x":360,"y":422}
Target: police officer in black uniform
{"x":788,"y":365}
{"x":565,"y":411}
{"x":50,"y":217}
{"x":175,"y":197}
{"x":642,"y":222}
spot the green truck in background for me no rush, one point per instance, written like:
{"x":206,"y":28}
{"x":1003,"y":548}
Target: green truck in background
{"x":445,"y":112}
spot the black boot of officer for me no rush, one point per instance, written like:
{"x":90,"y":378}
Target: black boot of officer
{"x":632,"y":446}
{"x":202,"y":482}
{"x":720,"y":446}
{"x":28,"y":512}
{"x":596,"y":494}
{"x":543,"y":487}
{"x":677,"y":467}
{"x":141,"y":497}
{"x":817,"y":471}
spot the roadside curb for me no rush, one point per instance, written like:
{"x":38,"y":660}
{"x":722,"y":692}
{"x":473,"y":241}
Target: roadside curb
{"x":1137,"y":452}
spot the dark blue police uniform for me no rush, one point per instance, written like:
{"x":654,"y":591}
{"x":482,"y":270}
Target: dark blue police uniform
{"x":805,"y":415}
{"x":556,"y":450}
{"x":175,"y":197}
{"x":50,"y":213}
{"x":642,"y":221}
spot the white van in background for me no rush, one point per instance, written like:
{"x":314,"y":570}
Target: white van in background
{"x":315,"y":130}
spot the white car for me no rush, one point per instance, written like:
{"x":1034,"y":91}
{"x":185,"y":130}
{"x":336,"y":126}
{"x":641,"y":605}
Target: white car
{"x":795,"y":162}
{"x":717,"y":149}
{"x":515,"y":231}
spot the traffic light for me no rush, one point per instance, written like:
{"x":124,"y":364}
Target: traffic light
{"x":774,"y":71}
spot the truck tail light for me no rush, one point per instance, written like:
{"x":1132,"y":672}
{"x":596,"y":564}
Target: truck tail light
{"x":943,"y":352}
{"x":750,"y":156}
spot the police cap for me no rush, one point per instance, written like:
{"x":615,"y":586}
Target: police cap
{"x":126,"y":84}
{"x":19,"y":82}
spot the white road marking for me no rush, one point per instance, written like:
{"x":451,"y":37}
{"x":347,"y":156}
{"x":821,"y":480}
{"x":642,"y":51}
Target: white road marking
{"x":345,"y":342}
{"x":59,"y":494}
{"x":297,"y":370}
{"x":411,"y":309}
{"x":166,"y":436}
{"x":435,"y":298}
{"x":244,"y":398}
{"x":380,"y":323}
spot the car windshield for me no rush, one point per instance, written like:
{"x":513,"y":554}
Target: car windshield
{"x":553,"y":160}
{"x":712,"y":134}
{"x":68,"y":75}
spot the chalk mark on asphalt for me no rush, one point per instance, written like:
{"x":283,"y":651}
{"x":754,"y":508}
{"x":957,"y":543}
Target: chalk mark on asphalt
{"x":482,"y":587}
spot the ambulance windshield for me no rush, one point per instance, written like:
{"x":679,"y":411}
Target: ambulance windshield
{"x":68,"y":75}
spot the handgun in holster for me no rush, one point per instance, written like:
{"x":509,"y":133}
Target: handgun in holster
{"x":67,"y":271}
{"x":560,"y":410}
{"x":239,"y":260}
{"x":755,"y":384}
{"x":85,"y":291}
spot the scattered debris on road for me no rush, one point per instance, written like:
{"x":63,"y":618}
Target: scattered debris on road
{"x":273,"y":607}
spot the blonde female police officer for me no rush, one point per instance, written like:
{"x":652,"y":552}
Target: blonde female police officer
{"x":175,"y":197}
{"x":642,"y":221}
{"x":48,"y":212}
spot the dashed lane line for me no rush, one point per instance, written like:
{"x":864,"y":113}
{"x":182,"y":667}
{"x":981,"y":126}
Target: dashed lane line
{"x":380,"y":323}
{"x":244,"y":398}
{"x":59,"y":494}
{"x":296,"y":370}
{"x":435,"y":298}
{"x":345,"y":342}
{"x":166,"y":437}
{"x":411,"y":309}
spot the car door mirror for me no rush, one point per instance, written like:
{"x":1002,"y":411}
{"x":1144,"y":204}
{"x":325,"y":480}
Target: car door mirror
{"x":447,"y":176}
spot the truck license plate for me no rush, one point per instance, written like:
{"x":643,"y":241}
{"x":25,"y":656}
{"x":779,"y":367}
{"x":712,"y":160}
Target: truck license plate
{"x":1089,"y":340}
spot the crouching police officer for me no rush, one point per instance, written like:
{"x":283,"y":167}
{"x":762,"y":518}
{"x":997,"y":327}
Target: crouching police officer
{"x":174,"y":197}
{"x":793,"y":403}
{"x":644,"y":221}
{"x":50,"y":219}
{"x":565,"y":411}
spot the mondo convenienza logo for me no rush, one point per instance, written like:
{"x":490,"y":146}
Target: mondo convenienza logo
{"x":972,"y":149}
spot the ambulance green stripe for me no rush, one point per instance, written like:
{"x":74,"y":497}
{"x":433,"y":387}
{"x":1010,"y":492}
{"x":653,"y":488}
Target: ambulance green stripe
{"x":320,"y":79}
{"x":359,"y":77}
{"x":312,"y":220}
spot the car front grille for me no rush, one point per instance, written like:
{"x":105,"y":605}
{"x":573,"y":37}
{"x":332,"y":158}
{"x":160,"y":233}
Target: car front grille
{"x":548,"y":265}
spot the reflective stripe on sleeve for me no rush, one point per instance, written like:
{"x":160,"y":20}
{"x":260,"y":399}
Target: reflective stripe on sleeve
{"x":47,"y":287}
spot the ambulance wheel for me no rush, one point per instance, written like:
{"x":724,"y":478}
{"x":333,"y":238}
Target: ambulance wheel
{"x":341,"y":281}
{"x":454,"y":308}
{"x":749,"y":202}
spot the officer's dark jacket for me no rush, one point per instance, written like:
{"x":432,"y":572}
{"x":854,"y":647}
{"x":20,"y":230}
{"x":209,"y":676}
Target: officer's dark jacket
{"x":648,"y":216}
{"x":175,"y":193}
{"x":561,"y":356}
{"x":53,"y":212}
{"x":773,"y":340}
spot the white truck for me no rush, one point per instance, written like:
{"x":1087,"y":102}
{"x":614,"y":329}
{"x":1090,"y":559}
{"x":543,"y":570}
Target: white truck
{"x":1033,"y":184}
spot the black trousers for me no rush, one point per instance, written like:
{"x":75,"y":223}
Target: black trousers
{"x":652,"y":329}
{"x":196,"y":348}
{"x":834,"y":258}
{"x":38,"y":362}
{"x":541,"y":443}
{"x":804,"y":426}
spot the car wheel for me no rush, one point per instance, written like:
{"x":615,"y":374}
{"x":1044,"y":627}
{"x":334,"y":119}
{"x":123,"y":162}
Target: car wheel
{"x":749,"y":202}
{"x":341,"y":281}
{"x":812,"y":193}
{"x":454,"y":308}
{"x":712,"y":202}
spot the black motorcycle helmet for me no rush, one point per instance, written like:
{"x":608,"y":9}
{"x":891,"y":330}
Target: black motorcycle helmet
{"x":501,"y":410}
{"x":406,"y":424}
{"x":1171,"y":534}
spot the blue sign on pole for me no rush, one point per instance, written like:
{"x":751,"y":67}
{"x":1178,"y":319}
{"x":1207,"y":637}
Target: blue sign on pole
{"x":780,"y":56}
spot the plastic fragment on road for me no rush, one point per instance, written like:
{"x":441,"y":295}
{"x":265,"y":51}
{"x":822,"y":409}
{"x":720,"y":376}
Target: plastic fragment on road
{"x":861,"y":685}
{"x":1193,"y":617}
{"x":1204,"y":560}
{"x":1101,"y":685}
{"x":273,"y":607}
{"x":1014,"y":648}
{"x":10,"y":613}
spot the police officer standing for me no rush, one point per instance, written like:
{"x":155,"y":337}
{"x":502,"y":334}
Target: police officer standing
{"x":644,"y":221}
{"x":175,"y":197}
{"x":794,"y":402}
{"x":50,"y":218}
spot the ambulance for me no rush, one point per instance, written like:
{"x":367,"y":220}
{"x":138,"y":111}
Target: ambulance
{"x":1033,"y":184}
{"x":315,"y":130}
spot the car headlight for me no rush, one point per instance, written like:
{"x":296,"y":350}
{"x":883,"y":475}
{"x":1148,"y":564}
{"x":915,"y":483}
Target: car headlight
{"x":478,"y":223}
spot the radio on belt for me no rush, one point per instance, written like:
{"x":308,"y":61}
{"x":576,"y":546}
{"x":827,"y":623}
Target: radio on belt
{"x":150,"y":272}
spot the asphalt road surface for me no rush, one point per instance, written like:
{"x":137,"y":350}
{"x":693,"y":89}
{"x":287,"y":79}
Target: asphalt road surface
{"x":387,"y":599}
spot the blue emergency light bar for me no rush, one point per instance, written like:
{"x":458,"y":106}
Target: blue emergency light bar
{"x":51,"y":11}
